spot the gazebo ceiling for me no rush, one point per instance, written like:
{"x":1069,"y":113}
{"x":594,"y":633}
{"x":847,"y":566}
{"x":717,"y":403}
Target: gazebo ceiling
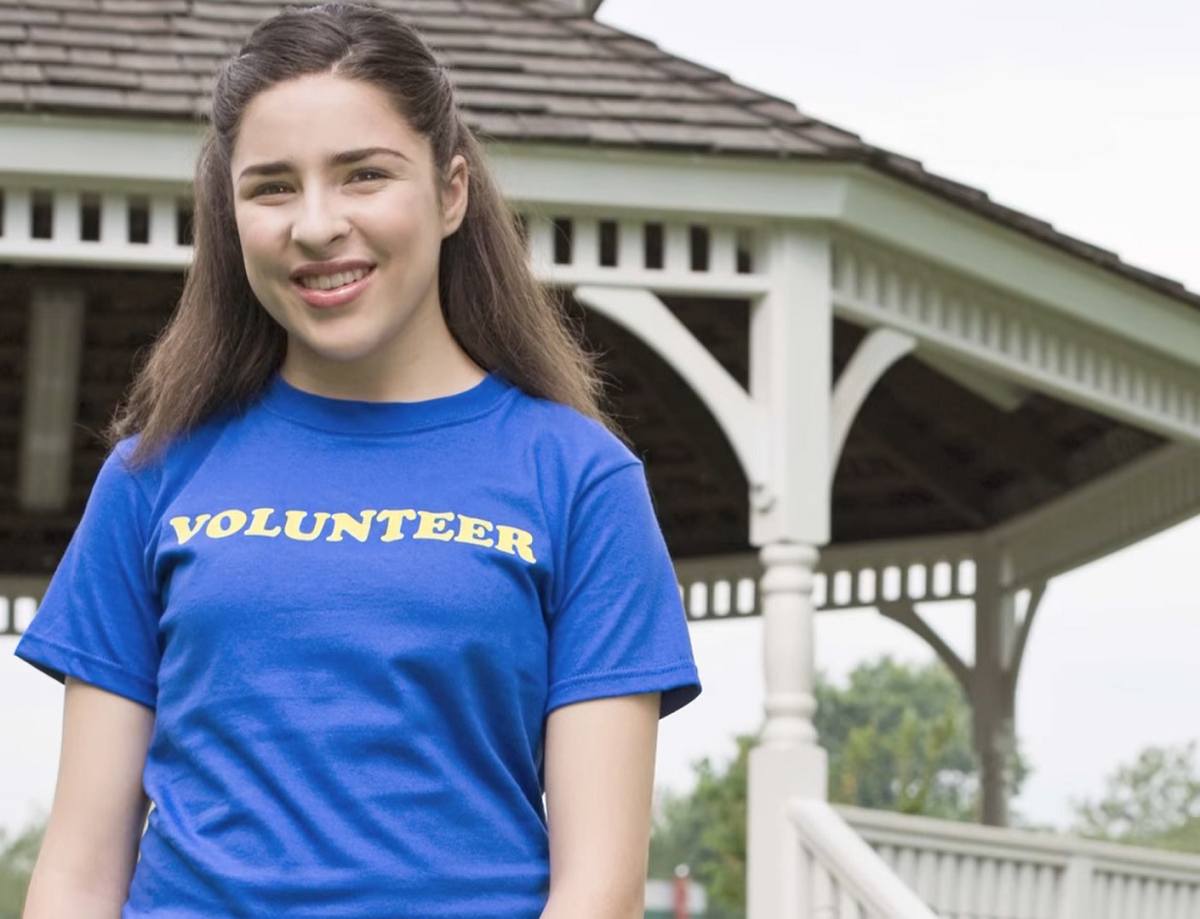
{"x":925,"y":455}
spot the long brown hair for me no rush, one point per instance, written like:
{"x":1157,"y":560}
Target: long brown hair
{"x":220,"y":346}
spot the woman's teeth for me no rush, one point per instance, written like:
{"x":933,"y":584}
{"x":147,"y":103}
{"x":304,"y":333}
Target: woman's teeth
{"x":330,"y":281}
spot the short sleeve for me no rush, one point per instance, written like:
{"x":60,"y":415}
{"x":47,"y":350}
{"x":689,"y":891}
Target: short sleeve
{"x":98,"y":620}
{"x":618,"y":625}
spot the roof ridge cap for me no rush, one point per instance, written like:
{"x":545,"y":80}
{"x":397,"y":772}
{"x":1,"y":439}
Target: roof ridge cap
{"x":586,"y":8}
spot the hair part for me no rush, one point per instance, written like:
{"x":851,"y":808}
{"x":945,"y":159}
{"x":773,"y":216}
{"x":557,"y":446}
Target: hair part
{"x":220,"y":347}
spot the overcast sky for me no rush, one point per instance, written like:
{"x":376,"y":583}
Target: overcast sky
{"x":1085,"y":114}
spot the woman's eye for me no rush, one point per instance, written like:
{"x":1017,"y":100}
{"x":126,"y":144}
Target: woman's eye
{"x":264,"y":189}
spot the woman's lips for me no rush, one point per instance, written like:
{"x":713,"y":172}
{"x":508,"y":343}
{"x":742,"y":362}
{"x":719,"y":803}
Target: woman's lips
{"x":338,"y":296}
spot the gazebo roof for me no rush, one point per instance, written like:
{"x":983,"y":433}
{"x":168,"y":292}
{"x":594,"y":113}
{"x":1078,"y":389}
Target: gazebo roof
{"x":524,"y":70}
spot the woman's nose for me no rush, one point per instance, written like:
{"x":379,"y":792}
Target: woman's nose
{"x":320,"y":219}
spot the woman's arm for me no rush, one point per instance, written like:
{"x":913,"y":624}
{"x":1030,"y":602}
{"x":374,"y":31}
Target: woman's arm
{"x":90,"y":847}
{"x":599,"y":772}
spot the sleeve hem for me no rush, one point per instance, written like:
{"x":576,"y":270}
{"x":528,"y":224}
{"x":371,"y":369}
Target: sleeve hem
{"x":679,"y":684}
{"x":60,"y":661}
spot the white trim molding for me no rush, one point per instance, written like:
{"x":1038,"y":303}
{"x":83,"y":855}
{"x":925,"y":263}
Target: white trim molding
{"x":1075,"y":361}
{"x":116,"y":153}
{"x":1147,"y":496}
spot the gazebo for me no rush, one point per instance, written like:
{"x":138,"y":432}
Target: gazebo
{"x":853,"y":382}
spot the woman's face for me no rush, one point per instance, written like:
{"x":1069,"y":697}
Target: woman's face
{"x":381,"y":209}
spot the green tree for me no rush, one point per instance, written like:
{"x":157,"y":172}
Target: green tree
{"x":898,"y":739}
{"x":706,"y":830}
{"x":1153,"y":801}
{"x":16,"y":865}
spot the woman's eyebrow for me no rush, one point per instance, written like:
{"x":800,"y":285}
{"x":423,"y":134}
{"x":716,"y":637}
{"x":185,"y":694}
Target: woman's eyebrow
{"x":338,"y":159}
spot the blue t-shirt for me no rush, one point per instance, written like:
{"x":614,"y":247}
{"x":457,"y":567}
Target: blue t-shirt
{"x":351,"y":619}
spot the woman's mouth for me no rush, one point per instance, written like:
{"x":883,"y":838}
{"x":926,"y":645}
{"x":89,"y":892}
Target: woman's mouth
{"x":336,"y":296}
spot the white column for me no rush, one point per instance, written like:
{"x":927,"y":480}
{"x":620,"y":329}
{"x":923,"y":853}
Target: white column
{"x":787,"y":762}
{"x":788,"y":658}
{"x":791,"y":365}
{"x":54,"y":349}
{"x":791,"y":338}
{"x":993,"y":687}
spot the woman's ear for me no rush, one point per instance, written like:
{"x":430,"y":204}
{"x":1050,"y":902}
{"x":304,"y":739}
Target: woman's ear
{"x":454,"y":195}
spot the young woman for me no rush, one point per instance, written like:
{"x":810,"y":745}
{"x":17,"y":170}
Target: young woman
{"x":366,"y":571}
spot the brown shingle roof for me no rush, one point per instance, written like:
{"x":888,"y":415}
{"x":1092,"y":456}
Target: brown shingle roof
{"x":524,"y":70}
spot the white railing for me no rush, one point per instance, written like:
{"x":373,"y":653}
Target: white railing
{"x":56,"y":222}
{"x":967,"y":871}
{"x":19,"y":598}
{"x":839,"y":875}
{"x":847,"y":576}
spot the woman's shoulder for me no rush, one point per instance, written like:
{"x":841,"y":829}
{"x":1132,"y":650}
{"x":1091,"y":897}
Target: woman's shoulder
{"x":571,"y":448}
{"x":169,"y":465}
